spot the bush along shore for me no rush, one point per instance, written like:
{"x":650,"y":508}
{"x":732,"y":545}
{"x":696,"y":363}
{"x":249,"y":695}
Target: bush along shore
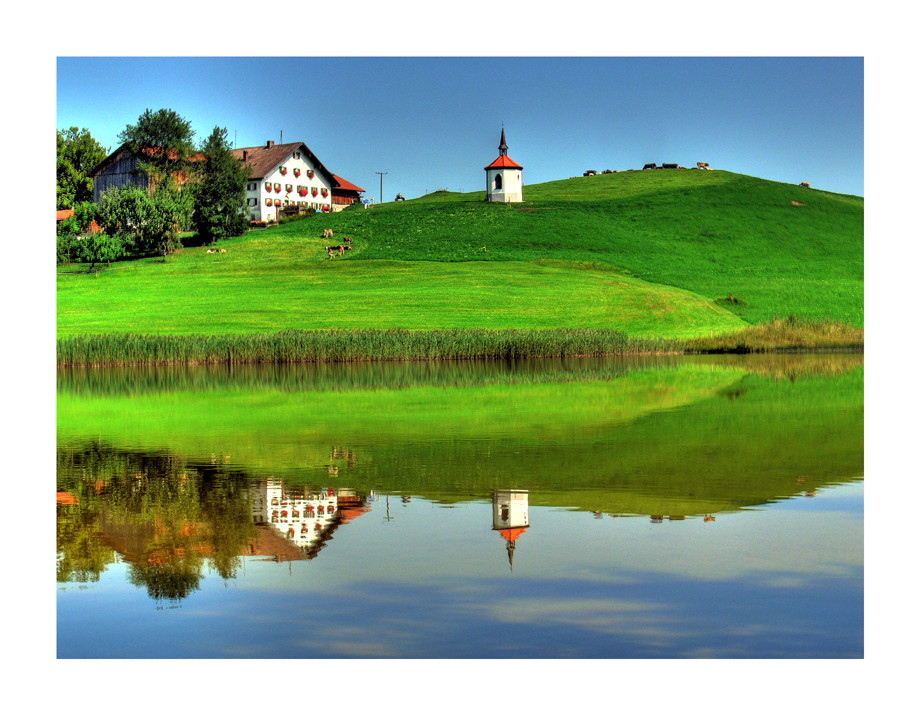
{"x":462,"y":344}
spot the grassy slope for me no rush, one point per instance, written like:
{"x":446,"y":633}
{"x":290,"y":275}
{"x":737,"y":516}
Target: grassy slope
{"x":648,"y":253}
{"x":710,"y":232}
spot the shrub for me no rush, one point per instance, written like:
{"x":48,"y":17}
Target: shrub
{"x":148,"y":223}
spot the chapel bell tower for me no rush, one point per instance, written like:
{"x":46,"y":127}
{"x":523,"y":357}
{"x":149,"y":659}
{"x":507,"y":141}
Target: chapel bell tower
{"x":504,"y":177}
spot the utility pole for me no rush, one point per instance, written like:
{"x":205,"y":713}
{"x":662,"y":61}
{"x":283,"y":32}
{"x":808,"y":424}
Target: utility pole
{"x":381,"y":183}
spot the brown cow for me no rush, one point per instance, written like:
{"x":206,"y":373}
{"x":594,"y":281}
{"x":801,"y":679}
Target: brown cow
{"x":805,"y":184}
{"x":348,"y":239}
{"x":327,"y":233}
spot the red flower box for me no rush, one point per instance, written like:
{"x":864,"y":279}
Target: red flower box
{"x":277,"y":202}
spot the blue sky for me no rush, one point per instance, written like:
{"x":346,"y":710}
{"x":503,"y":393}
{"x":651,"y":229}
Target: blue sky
{"x":434,"y":123}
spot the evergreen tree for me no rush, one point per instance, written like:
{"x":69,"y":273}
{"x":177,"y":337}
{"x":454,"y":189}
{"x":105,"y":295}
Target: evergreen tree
{"x":220,"y":193}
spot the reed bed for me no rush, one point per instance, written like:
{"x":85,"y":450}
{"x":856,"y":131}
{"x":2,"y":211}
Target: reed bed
{"x":784,"y":335}
{"x":350,"y":345}
{"x":352,"y":376}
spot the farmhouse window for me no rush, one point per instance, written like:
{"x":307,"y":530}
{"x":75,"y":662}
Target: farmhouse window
{"x":253,"y":185}
{"x":296,"y":154}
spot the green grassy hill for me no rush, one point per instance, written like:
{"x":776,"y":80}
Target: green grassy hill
{"x":657,"y":254}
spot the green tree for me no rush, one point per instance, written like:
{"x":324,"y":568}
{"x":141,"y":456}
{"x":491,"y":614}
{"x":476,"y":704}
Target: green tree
{"x":150,"y":223}
{"x":77,"y":154}
{"x":220,"y":194}
{"x":97,"y":247}
{"x":71,"y":230}
{"x":161,"y":141}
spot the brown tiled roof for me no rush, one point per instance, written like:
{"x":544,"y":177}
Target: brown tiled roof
{"x":263,"y":159}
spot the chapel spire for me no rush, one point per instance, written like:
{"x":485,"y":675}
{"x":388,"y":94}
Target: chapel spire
{"x":503,"y":147}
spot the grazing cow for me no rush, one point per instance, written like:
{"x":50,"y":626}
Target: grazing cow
{"x":650,"y":166}
{"x":400,"y":197}
{"x":212,"y":250}
{"x":327,"y":233}
{"x":221,"y":250}
{"x":702,"y":165}
{"x":805,"y":184}
{"x":331,"y":250}
{"x":590,"y":172}
{"x":348,"y":239}
{"x":669,"y":166}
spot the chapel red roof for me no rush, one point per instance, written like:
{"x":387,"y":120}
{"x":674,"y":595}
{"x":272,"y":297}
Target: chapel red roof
{"x":513,"y":534}
{"x":504,"y":162}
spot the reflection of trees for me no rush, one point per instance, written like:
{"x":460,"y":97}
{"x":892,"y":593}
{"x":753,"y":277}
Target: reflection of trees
{"x":170,"y":581}
{"x":82,"y":557}
{"x":168,"y":517}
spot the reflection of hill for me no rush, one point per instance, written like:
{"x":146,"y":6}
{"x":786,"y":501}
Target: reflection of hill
{"x":288,"y":434}
{"x":695,"y":436}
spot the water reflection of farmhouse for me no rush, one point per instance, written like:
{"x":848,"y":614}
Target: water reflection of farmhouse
{"x":294,"y":523}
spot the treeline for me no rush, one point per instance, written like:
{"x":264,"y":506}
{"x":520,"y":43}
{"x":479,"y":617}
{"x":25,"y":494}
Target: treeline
{"x":191,"y":189}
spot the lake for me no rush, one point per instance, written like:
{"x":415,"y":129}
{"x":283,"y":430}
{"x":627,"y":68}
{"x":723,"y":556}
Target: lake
{"x":669,"y":507}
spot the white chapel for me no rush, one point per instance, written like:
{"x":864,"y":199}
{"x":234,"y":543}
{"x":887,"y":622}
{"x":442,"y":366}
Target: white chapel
{"x":504,"y":177}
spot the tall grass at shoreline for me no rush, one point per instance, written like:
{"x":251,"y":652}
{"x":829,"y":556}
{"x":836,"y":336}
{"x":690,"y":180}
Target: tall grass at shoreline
{"x":783,"y":334}
{"x":348,"y":345}
{"x":294,"y":346}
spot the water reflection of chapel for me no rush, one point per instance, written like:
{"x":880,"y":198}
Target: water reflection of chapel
{"x":510,"y":517}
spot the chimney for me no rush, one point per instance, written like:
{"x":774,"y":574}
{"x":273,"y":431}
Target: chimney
{"x":269,"y":144}
{"x":245,"y":154}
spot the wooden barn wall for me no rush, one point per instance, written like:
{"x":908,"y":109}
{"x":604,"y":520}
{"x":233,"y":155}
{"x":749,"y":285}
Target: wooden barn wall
{"x":122,"y":172}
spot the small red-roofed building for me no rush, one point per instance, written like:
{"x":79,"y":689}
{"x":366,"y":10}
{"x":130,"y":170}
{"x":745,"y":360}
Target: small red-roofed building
{"x":345,"y":194}
{"x":510,"y":517}
{"x":504,"y":177}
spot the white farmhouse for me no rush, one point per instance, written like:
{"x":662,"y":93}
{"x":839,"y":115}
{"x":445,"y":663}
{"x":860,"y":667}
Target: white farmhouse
{"x":287,"y":175}
{"x":504,"y":177}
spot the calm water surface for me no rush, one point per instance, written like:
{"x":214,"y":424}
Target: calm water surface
{"x":653,"y":508}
